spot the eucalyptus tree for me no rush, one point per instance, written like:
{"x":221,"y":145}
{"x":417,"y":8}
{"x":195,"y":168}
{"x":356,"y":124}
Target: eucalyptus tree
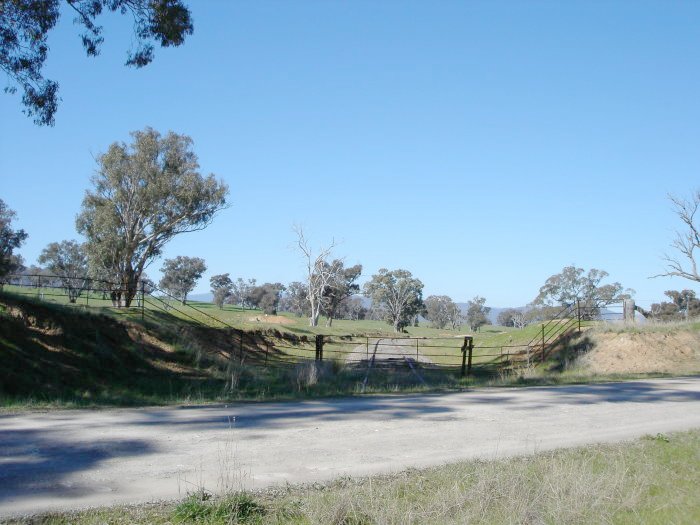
{"x":294,"y":299}
{"x":143,"y":195}
{"x":25,"y":26}
{"x":180,"y":275}
{"x":221,"y":287}
{"x":341,"y":286}
{"x":10,"y":240}
{"x":574,"y":285}
{"x":477,"y":313}
{"x":440,"y":310}
{"x":398,"y":294}
{"x":68,"y":262}
{"x":266,"y":297}
{"x":320,"y":273}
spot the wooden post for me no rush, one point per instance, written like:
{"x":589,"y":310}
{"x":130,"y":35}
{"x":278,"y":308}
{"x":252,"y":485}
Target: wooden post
{"x":464,"y":356}
{"x":467,"y":349}
{"x":578,"y":313}
{"x":628,"y":310}
{"x":319,"y":347}
{"x":470,"y":348}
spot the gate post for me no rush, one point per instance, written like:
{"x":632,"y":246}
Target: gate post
{"x":628,"y":310}
{"x":470,"y":348}
{"x":319,"y":347}
{"x":467,"y":347}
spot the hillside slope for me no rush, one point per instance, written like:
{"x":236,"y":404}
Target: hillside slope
{"x":51,"y":352}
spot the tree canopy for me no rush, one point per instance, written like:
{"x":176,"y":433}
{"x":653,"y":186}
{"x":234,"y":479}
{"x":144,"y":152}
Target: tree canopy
{"x":575,"y":284}
{"x":266,"y":297}
{"x":143,"y":195}
{"x":398,"y":293}
{"x":221,"y":287}
{"x":441,"y":310}
{"x":25,"y":26}
{"x":341,"y":286}
{"x":477,"y":313}
{"x":180,"y":275}
{"x":10,"y":240}
{"x":67,"y":261}
{"x":682,"y":305}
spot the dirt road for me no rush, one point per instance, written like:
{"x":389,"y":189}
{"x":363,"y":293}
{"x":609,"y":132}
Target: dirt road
{"x":71,"y":459}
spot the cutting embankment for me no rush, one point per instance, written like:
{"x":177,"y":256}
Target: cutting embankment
{"x":55,"y":354}
{"x":660,"y":349}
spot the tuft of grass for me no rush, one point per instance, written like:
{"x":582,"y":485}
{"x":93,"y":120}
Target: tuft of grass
{"x":239,"y":507}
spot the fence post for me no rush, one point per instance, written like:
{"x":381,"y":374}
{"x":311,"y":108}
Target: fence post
{"x":543,"y":342}
{"x":470,"y":348}
{"x":467,"y":348}
{"x":578,"y":313}
{"x":319,"y":347}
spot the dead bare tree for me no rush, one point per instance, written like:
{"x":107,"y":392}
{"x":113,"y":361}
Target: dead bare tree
{"x":686,"y":241}
{"x":319,"y":273}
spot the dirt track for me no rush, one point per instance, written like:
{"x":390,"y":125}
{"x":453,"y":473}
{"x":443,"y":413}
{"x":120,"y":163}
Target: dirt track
{"x":70,"y":459}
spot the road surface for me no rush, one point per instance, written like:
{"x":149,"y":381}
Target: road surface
{"x":73,"y":459}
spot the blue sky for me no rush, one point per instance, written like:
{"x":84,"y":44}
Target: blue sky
{"x":481,"y":145}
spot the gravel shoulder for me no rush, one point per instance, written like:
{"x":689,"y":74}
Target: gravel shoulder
{"x":73,"y":459}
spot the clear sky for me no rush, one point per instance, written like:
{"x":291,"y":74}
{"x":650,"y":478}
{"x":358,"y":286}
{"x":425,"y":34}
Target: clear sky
{"x":481,"y":145}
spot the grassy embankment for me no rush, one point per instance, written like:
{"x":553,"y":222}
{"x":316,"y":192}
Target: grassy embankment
{"x":653,"y":480}
{"x":54,"y":354}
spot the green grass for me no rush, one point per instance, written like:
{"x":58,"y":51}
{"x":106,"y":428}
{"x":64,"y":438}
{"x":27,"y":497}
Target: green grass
{"x":58,"y":355}
{"x":652,"y":480}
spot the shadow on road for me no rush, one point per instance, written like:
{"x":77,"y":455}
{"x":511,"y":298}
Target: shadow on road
{"x":35,"y":462}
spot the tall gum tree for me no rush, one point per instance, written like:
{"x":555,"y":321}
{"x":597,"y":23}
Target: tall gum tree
{"x":143,"y":195}
{"x":398,"y":293}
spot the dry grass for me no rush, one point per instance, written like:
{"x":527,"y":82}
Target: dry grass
{"x":651,"y":480}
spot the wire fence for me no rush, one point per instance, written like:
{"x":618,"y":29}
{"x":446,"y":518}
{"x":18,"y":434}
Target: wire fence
{"x":459,"y":353}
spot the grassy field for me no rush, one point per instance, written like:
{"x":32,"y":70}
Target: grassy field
{"x":653,"y":480}
{"x":440,"y":346}
{"x":58,"y":355}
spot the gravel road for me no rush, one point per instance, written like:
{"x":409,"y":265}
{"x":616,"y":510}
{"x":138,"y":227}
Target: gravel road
{"x":73,"y":459}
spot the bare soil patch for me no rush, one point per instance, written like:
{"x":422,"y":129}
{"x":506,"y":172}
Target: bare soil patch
{"x":642,"y":352}
{"x":271,"y":319}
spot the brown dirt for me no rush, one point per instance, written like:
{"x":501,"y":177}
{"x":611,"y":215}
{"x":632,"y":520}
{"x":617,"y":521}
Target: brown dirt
{"x":643,"y":352}
{"x":271,"y":319}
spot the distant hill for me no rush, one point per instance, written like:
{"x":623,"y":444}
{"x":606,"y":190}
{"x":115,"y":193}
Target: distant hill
{"x":201,"y":297}
{"x":493,"y":313}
